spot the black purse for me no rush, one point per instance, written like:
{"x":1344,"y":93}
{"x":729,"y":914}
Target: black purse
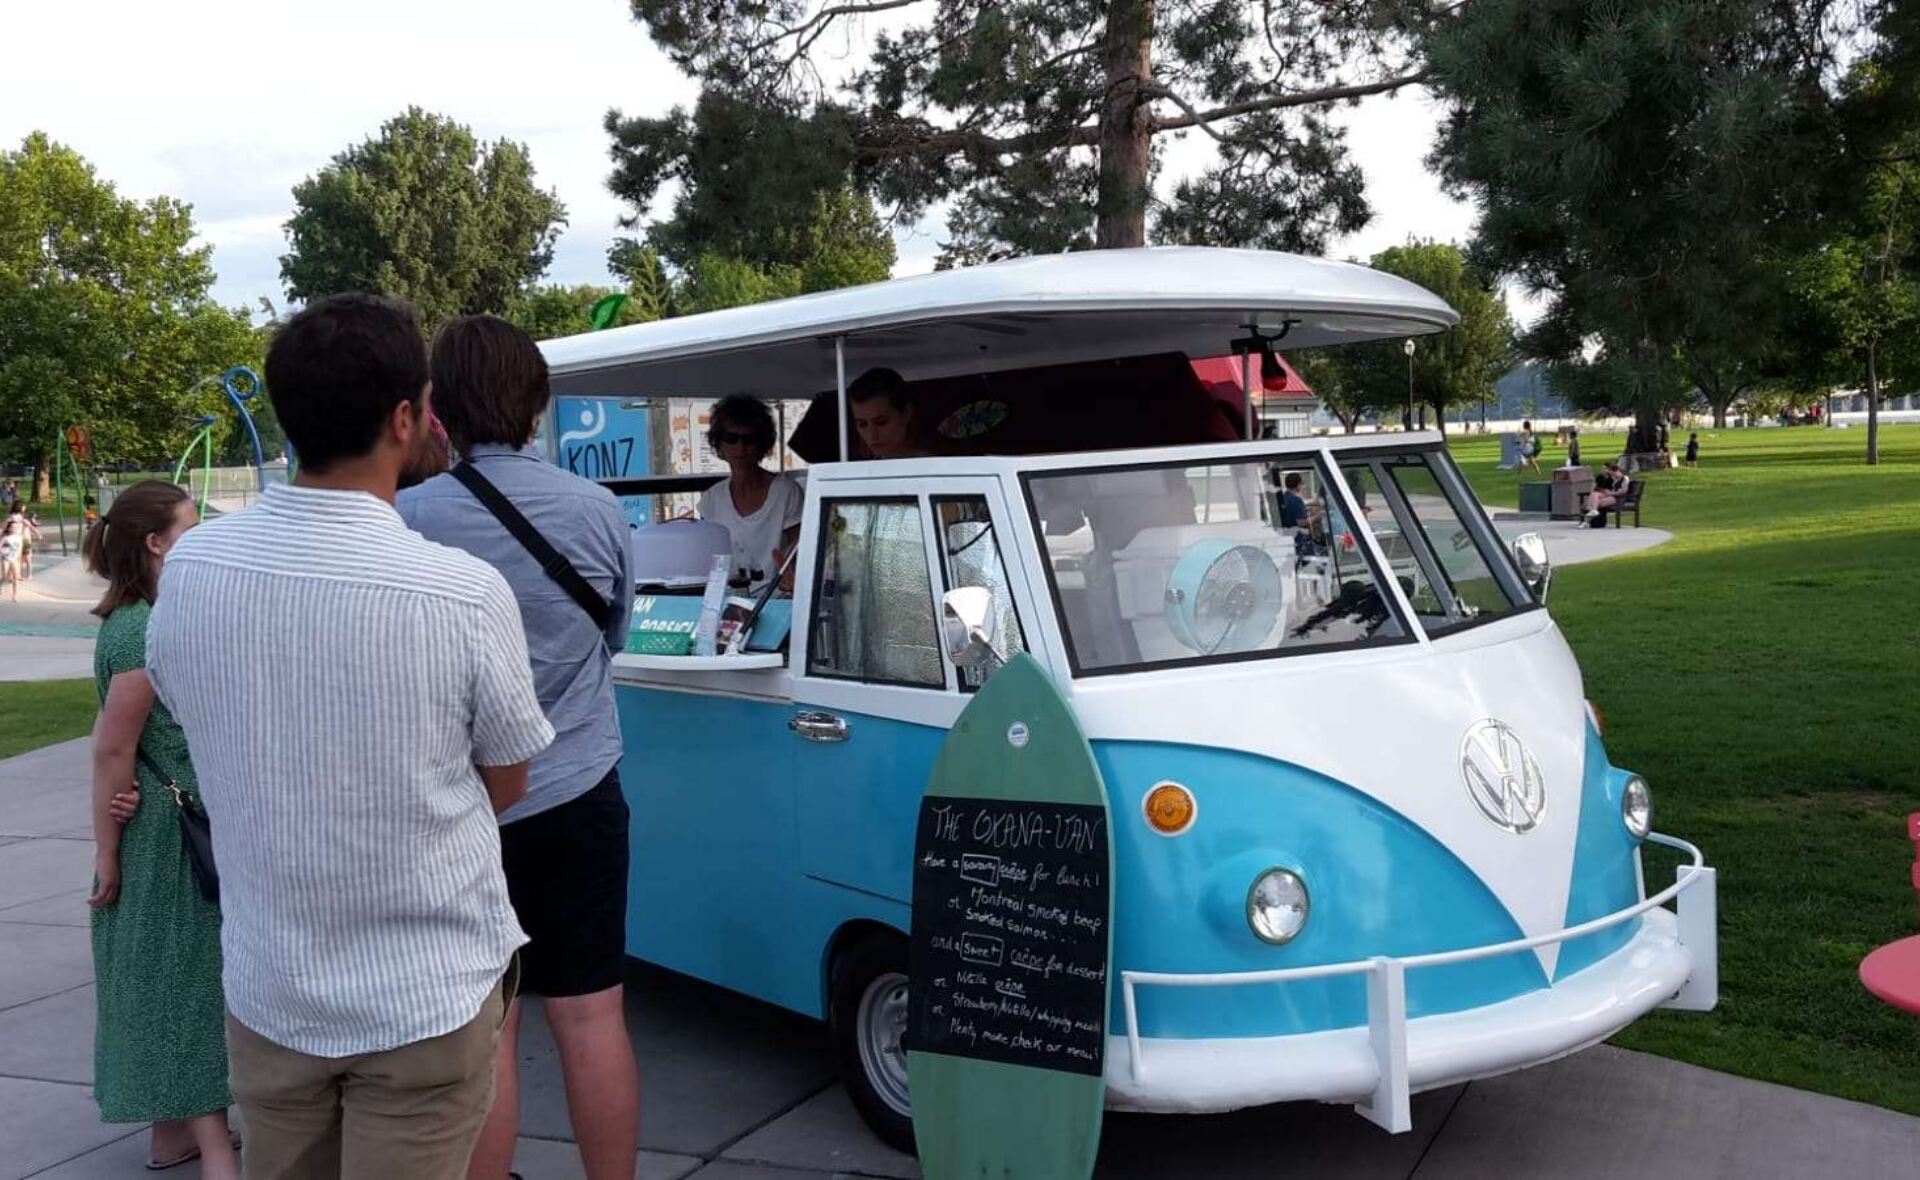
{"x":196,"y":832}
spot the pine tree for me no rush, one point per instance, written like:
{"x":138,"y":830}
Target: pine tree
{"x":1039,"y":120}
{"x":1635,"y":162}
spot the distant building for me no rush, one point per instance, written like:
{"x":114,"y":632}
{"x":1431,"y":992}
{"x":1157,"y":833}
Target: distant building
{"x":1285,"y":404}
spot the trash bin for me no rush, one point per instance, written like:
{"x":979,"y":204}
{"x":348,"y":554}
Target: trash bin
{"x":1569,"y":488}
{"x":1536,"y":496}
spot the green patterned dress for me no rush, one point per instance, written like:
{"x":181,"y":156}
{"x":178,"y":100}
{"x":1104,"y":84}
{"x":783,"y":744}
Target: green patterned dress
{"x":160,"y":1048}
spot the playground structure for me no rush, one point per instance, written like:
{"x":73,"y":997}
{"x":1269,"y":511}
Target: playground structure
{"x":241,"y":386}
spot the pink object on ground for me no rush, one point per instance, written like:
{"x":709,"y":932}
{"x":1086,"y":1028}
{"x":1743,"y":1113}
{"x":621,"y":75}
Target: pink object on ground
{"x":1892,"y":973}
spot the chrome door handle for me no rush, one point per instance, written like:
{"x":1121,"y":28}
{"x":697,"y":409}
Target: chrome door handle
{"x":818,"y":727}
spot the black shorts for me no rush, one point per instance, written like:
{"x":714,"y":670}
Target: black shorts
{"x":567,"y":877}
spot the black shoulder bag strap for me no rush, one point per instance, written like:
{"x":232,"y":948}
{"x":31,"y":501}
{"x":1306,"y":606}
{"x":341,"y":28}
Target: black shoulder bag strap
{"x":552,"y":562}
{"x":196,"y":833}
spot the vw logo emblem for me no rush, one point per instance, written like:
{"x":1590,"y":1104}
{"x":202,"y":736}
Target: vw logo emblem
{"x":1502,"y":778}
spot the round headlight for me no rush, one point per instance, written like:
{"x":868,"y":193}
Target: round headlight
{"x":1277,"y":906}
{"x":1636,"y":808}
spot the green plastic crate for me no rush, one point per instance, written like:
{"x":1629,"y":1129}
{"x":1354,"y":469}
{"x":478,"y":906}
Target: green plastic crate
{"x":659,"y":643}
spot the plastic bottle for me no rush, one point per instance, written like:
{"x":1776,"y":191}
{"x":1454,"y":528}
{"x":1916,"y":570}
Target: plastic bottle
{"x":706,"y":632}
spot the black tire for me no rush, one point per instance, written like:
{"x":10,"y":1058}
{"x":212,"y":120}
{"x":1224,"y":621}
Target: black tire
{"x":869,"y":972}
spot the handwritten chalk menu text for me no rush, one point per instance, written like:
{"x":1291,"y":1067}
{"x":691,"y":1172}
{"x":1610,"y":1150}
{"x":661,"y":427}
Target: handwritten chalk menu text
{"x":1011,"y":915}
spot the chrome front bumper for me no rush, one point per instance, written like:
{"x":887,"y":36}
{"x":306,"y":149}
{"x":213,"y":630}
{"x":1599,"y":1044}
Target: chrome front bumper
{"x":1672,"y":959}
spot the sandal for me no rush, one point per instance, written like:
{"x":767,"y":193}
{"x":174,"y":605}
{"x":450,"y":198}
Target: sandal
{"x":186,"y":1157}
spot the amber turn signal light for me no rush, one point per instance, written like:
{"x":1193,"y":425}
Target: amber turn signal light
{"x":1170,"y":809}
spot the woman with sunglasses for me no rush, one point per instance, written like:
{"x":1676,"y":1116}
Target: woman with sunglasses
{"x":760,"y":509}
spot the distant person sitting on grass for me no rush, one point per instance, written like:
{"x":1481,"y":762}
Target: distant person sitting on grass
{"x":1693,"y":449}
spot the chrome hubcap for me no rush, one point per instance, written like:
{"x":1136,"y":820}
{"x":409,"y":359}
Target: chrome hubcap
{"x":880,"y":1025}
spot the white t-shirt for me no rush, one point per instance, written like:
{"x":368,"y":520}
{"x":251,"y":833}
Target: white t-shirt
{"x":756,"y":535}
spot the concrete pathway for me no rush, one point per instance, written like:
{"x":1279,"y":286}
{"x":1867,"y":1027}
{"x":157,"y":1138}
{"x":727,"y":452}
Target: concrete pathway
{"x":1569,"y":544}
{"x":48,"y":634}
{"x":736,"y":1090}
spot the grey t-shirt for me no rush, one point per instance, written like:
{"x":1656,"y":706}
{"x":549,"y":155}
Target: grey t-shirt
{"x":572,"y":659}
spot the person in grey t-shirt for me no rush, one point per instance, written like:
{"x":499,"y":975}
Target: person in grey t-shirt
{"x":565,"y":845}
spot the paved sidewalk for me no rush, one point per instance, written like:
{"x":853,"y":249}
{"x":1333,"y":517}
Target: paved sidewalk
{"x":48,"y":634}
{"x":1569,"y":544}
{"x":735,"y":1090}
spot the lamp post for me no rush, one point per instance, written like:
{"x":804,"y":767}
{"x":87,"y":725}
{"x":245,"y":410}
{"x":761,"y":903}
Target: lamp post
{"x":1406,"y":420}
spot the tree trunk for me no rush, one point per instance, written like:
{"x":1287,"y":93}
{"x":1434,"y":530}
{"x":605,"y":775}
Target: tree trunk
{"x":1440,"y":418}
{"x":1873,"y":404}
{"x":1125,"y":131}
{"x":43,"y":477}
{"x":1720,"y":415}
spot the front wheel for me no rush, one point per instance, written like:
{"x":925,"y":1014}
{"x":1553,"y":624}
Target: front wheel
{"x":868,"y":1019}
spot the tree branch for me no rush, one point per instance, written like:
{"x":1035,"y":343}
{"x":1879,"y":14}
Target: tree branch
{"x":826,"y":16}
{"x":1285,"y":101}
{"x":917,"y":138}
{"x":1161,"y":90}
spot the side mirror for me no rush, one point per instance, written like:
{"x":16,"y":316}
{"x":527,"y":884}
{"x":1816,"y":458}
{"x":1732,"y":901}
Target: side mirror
{"x":967,"y":623}
{"x":1530,"y":554}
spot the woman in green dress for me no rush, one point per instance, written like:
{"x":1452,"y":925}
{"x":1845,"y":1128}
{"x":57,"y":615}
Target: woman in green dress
{"x":160,"y":1051}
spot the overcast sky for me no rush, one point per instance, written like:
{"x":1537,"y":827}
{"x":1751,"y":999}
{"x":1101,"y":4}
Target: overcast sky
{"x":228,"y":103}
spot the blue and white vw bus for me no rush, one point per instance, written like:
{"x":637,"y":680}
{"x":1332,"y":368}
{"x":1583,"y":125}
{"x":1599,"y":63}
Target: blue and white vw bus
{"x":1367,"y":838}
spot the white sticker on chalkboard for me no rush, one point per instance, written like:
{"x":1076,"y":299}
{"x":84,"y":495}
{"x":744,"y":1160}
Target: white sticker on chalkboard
{"x":1017,"y":735}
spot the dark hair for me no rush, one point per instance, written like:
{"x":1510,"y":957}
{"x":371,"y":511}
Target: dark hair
{"x":116,"y":545}
{"x":1526,"y":424}
{"x":1293,"y":480}
{"x":336,"y":371}
{"x":745,"y":414}
{"x":489,"y":382}
{"x":880,"y":383}
{"x":19,"y":506}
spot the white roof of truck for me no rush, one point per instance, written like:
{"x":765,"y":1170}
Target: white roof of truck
{"x":1029,"y":312}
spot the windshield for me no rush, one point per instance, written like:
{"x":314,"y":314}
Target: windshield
{"x":1446,"y":557}
{"x":1179,"y":564}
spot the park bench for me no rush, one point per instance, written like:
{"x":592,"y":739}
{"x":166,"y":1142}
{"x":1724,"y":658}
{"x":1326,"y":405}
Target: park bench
{"x":1629,"y":502}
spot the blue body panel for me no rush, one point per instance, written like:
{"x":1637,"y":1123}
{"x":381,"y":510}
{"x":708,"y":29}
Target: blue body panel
{"x":1376,"y":884}
{"x":752,"y":848}
{"x":1605,"y":876}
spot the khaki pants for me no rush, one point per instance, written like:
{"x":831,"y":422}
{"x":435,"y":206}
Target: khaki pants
{"x":412,"y":1112}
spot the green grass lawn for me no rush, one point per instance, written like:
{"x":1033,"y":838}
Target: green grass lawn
{"x":1762,"y":670}
{"x":39,"y":714}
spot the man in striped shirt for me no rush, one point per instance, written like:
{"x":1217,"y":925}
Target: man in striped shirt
{"x":359,"y":708}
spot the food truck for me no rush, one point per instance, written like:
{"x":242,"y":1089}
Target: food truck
{"x":1366,"y":836}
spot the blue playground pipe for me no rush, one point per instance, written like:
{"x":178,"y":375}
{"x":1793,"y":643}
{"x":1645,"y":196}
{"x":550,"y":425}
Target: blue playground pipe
{"x":243,"y":385}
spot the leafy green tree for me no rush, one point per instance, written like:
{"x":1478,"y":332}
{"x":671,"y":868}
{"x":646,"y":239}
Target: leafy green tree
{"x":551,"y":310}
{"x":716,"y":281}
{"x":650,"y":283}
{"x":1864,"y":287}
{"x":426,"y":212}
{"x":841,"y":242}
{"x":105,"y":319}
{"x":1039,"y":120}
{"x":1634,"y":162}
{"x":1861,"y":287}
{"x":1332,"y":379}
{"x":1453,"y":368}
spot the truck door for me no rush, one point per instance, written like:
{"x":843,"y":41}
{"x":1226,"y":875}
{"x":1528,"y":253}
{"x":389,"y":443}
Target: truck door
{"x":874,"y":691}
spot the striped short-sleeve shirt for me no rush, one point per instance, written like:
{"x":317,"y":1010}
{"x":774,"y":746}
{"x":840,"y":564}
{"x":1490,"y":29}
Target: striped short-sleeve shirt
{"x":339,"y":677}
